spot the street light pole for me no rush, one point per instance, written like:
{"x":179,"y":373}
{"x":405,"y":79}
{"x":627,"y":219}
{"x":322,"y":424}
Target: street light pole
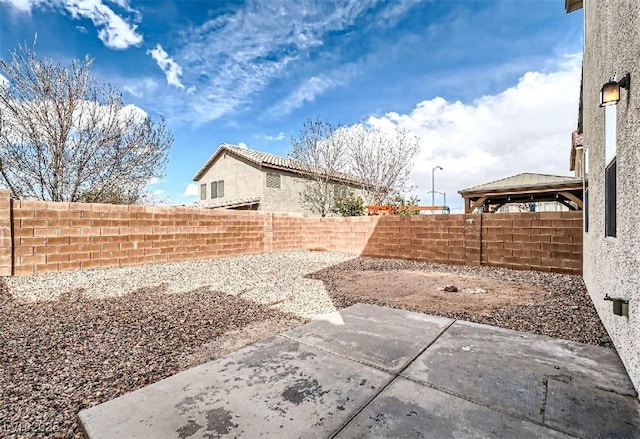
{"x":433,"y":189}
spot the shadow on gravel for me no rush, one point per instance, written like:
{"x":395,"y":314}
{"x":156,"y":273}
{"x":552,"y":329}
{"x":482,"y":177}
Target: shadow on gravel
{"x":59,"y":357}
{"x":561,"y":308}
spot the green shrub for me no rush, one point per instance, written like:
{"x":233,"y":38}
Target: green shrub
{"x":352,"y":206}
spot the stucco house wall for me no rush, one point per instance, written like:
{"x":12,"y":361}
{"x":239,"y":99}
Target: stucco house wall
{"x":612,"y":264}
{"x":246,"y":180}
{"x":242,"y":179}
{"x":287,"y":197}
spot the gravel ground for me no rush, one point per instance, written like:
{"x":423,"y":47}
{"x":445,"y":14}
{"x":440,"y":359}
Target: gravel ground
{"x":72,"y":340}
{"x":275,"y":278}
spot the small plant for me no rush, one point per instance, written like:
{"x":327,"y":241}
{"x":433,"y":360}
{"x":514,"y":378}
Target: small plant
{"x":352,"y":206}
{"x":399,"y":204}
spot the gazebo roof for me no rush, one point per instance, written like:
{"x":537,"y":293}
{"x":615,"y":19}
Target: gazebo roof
{"x":522,"y":182}
{"x":525,"y":187}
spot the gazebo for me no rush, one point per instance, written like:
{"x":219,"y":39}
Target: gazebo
{"x":524,"y":188}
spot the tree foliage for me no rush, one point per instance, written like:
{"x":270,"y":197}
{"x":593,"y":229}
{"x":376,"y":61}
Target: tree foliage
{"x":64,"y":136}
{"x":373,"y":160}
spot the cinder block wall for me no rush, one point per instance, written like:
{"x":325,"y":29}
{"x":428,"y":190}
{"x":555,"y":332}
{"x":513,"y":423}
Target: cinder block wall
{"x":544,"y":241}
{"x":40,"y":237}
{"x":49,"y":237}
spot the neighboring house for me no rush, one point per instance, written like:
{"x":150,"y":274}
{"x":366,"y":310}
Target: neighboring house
{"x":525,"y":192}
{"x":611,"y":139}
{"x":241,"y":178}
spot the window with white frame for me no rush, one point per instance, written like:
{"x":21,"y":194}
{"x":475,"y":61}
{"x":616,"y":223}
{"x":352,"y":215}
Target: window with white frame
{"x":217,"y":189}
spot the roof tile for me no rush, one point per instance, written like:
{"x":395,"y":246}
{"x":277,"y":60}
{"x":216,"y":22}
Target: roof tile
{"x":266,"y":159}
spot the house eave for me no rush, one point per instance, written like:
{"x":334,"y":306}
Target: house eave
{"x":529,"y":189}
{"x":572,"y":5}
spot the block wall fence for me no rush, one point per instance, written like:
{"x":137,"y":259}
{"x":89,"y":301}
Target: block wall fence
{"x":41,"y":237}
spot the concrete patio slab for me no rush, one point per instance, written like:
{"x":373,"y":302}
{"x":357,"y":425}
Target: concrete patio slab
{"x":407,"y":409}
{"x":388,"y":340}
{"x":586,"y":411}
{"x":510,"y":371}
{"x":380,"y":372}
{"x":278,"y":388}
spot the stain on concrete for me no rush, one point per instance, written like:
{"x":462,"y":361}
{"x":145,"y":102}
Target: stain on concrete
{"x":188,"y":430}
{"x":302,"y":389}
{"x":219,"y":423}
{"x":379,"y":420}
{"x":306,"y":355}
{"x":189,"y":402}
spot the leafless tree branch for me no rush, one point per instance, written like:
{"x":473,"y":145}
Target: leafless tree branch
{"x":376,"y":161}
{"x":66,"y":137}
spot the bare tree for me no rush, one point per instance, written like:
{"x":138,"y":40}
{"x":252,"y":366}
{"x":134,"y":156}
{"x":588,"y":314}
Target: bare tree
{"x":381,"y":160}
{"x":323,"y":157}
{"x":66,"y":137}
{"x":373,"y":160}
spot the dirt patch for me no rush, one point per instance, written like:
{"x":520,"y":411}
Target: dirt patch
{"x":550,"y":304}
{"x":443,"y":292}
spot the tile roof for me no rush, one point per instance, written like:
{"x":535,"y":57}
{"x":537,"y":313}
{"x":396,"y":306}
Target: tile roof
{"x":265,"y":159}
{"x":524,"y":180}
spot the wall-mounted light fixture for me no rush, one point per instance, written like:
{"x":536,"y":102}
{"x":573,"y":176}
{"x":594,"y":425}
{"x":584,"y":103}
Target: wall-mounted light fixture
{"x":610,"y":92}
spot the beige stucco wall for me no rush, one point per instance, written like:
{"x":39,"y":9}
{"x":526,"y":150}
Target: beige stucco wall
{"x":285,"y":199}
{"x":242,"y":179}
{"x":612,"y":264}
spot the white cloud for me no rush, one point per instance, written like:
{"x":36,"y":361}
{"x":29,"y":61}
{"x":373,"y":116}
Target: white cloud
{"x":307,"y":92}
{"x":171,"y":69}
{"x":23,"y":5}
{"x":525,"y":128}
{"x":140,"y":87}
{"x":191,"y":190}
{"x":242,"y":145}
{"x":132,"y":112}
{"x":280,"y":136}
{"x":158,"y":192}
{"x":124,"y":4}
{"x":234,"y":56}
{"x":113,"y":30}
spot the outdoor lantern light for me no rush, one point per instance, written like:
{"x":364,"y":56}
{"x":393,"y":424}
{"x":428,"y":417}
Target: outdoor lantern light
{"x":610,"y":92}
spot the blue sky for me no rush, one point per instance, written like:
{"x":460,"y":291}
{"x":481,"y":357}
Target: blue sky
{"x":490,"y":87}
